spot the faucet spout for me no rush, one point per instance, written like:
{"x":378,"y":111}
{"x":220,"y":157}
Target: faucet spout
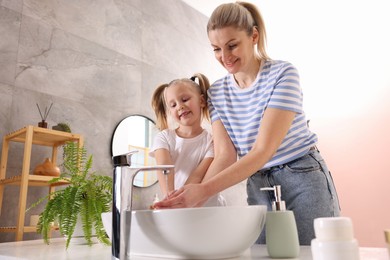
{"x":122,"y":193}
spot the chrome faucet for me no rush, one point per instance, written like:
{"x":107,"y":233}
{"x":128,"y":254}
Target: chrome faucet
{"x":122,"y":193}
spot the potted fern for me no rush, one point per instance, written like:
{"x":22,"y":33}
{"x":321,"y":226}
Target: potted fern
{"x":86,"y":197}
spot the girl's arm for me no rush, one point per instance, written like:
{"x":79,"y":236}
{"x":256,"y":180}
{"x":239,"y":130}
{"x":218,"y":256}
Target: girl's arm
{"x":198,"y":174}
{"x":166,"y":182}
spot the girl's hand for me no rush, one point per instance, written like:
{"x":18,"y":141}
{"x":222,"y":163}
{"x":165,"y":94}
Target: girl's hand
{"x":170,"y":194}
{"x":188,"y":196}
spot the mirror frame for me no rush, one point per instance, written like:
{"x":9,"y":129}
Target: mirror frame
{"x":136,"y":179}
{"x":117,"y":125}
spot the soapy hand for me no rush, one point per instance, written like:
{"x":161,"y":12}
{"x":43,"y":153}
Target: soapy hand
{"x":191,"y":195}
{"x":155,"y":200}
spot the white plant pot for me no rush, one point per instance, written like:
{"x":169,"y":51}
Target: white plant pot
{"x":78,"y":237}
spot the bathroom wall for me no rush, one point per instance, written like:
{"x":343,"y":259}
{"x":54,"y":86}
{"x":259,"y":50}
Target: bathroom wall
{"x":97,"y":61}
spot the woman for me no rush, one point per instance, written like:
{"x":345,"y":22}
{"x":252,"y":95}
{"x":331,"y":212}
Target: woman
{"x":256,"y":113}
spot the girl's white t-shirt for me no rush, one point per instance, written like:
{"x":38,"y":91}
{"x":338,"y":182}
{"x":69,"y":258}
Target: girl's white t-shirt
{"x":186,"y":153}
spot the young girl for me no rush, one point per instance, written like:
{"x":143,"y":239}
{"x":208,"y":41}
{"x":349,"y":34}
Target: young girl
{"x":189,"y":147}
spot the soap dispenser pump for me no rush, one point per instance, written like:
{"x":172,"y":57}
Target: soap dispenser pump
{"x":281,"y":229}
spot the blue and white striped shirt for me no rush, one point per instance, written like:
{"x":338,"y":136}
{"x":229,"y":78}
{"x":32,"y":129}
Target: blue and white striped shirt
{"x":241,"y":110}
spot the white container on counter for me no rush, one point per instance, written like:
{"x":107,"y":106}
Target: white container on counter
{"x":334,"y":239}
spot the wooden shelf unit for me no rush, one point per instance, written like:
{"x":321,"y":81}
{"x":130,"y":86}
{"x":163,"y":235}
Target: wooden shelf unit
{"x":33,"y":180}
{"x":26,"y":229}
{"x":31,"y":135}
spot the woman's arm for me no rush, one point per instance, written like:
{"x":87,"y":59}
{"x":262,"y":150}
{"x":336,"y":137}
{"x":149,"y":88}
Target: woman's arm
{"x":274,"y":127}
{"x":224,"y":152}
{"x":166,"y":182}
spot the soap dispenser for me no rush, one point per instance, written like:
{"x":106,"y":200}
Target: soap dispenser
{"x":281,"y":229}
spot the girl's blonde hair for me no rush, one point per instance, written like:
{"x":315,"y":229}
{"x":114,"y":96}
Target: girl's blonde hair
{"x":242,"y":16}
{"x":158,"y":98}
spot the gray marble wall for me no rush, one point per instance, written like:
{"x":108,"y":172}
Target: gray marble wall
{"x":97,"y":61}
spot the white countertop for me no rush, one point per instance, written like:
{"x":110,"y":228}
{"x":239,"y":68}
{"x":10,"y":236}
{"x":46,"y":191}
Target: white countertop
{"x":36,"y":249}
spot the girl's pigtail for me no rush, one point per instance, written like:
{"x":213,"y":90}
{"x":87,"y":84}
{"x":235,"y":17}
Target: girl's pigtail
{"x":204,"y":85}
{"x":158,"y":105}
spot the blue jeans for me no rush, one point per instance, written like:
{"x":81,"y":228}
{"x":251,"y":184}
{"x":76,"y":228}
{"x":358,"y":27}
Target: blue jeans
{"x":307,"y":188}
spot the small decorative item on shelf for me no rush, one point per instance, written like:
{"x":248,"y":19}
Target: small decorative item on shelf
{"x":47,"y":168}
{"x":43,"y":123}
{"x":64,"y":127}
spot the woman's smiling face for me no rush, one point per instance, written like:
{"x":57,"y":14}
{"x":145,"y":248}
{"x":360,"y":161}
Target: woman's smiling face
{"x":233,"y":48}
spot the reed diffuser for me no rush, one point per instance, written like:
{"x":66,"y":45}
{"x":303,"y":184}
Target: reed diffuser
{"x":43,"y":123}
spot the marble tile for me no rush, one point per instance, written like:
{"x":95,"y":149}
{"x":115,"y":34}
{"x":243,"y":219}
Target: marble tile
{"x":6,"y":94}
{"x":15,"y":5}
{"x":57,"y":63}
{"x":152,"y":77}
{"x":93,"y":120}
{"x":24,"y":109}
{"x":9,"y":26}
{"x":176,"y":48}
{"x":112,"y":24}
{"x":172,"y":12}
{"x":166,"y":48}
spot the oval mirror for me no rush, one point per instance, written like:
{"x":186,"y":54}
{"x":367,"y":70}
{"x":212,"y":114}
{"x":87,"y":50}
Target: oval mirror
{"x":136,"y":132}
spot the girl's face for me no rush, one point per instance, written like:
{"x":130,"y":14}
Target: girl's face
{"x":233,"y":48}
{"x":184,"y":103}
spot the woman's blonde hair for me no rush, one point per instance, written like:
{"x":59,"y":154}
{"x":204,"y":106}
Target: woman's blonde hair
{"x":242,"y":16}
{"x":158,"y":98}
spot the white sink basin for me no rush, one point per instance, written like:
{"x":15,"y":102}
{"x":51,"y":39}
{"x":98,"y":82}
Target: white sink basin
{"x":194,"y":233}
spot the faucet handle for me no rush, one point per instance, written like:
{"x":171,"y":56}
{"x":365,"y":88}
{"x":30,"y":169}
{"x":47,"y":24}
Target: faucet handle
{"x":123,"y":159}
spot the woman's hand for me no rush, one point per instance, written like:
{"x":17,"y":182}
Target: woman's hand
{"x":188,"y":196}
